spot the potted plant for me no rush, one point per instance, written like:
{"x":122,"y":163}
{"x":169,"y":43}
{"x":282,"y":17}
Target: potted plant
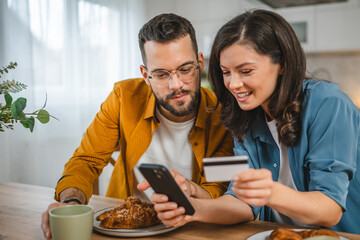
{"x":13,"y":111}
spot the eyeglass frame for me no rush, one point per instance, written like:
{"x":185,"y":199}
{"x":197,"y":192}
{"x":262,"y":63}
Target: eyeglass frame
{"x":175,"y":72}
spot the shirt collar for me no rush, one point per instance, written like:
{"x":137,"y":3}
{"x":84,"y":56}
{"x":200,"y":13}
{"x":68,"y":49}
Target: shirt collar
{"x":150,"y":108}
{"x":259,"y":128}
{"x":202,"y":114}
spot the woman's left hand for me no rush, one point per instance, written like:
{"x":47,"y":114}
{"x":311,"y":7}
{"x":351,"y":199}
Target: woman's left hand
{"x":254,"y":186}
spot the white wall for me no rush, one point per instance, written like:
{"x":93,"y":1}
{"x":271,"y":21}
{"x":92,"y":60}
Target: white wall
{"x":207,"y":16}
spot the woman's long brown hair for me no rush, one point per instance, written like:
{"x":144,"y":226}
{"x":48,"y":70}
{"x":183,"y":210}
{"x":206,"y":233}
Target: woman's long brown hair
{"x":269,"y":34}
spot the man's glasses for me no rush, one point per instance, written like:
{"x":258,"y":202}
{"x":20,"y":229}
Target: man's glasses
{"x":186,"y":73}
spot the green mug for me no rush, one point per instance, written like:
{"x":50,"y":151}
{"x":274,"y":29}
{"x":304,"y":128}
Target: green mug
{"x":72,"y":222}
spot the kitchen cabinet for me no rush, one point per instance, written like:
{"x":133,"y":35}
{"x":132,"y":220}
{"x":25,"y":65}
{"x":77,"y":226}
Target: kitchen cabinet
{"x":338,"y":29}
{"x":329,"y":27}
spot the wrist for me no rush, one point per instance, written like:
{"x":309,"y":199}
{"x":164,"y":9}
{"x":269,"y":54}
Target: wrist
{"x":197,"y":191}
{"x":71,"y":199}
{"x":72,"y":193}
{"x":193,"y":190}
{"x":277,"y":190}
{"x":197,"y":205}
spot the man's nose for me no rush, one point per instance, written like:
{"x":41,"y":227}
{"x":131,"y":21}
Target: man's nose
{"x":175,"y":82}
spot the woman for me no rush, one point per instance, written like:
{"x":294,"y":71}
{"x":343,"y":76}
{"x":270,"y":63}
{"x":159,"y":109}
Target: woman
{"x":301,"y":136}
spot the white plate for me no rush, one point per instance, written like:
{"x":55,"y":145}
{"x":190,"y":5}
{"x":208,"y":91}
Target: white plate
{"x":137,"y":232}
{"x":266,"y":235}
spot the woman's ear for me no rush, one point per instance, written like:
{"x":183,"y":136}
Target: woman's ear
{"x":281,"y":70}
{"x":144,"y":74}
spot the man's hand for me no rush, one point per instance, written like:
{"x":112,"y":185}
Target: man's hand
{"x":169,"y":213}
{"x":65,"y":194}
{"x":187,"y":186}
{"x":45,"y":223}
{"x":183,"y":183}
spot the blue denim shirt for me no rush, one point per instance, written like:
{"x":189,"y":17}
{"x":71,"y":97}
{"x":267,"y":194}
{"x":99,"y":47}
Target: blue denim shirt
{"x":324,"y":159}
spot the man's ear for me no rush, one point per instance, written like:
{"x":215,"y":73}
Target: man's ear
{"x":201,"y":61}
{"x":144,"y":74}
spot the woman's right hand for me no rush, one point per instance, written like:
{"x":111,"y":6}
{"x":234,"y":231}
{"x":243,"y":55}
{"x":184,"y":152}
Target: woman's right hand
{"x":254,"y":187}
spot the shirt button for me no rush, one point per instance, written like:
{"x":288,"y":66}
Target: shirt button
{"x":196,"y":143}
{"x":275,"y":165}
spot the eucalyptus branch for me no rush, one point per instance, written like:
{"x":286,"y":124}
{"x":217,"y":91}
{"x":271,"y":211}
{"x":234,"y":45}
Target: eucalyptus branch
{"x":13,"y":111}
{"x":54,"y":117}
{"x":6,"y":69}
{"x":11,"y":86}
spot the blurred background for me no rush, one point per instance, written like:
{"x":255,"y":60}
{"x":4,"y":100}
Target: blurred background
{"x":73,"y":51}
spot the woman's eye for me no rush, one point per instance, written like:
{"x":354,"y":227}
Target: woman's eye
{"x":246,"y":71}
{"x":225,"y":73}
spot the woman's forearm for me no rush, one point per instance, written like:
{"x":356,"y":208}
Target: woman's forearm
{"x":313,"y":208}
{"x":224,"y":210}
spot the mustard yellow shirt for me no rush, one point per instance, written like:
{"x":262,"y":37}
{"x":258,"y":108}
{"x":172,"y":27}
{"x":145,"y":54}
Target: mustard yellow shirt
{"x":127,"y":120}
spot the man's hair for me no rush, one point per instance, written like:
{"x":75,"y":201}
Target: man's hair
{"x":269,"y":34}
{"x":164,"y":28}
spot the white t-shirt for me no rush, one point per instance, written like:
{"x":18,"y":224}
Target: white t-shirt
{"x":170,"y":146}
{"x":285,"y":176}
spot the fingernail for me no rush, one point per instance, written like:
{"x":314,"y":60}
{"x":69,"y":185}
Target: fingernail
{"x":164,"y":198}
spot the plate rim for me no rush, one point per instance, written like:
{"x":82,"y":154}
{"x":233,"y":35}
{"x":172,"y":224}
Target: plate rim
{"x":123,"y":232}
{"x":267,"y":237}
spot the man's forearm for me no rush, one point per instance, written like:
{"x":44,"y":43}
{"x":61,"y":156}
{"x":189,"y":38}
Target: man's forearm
{"x":198,"y":192}
{"x":73,"y":192}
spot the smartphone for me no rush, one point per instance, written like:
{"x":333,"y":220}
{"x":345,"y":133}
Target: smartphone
{"x":161,"y":181}
{"x":223,"y":169}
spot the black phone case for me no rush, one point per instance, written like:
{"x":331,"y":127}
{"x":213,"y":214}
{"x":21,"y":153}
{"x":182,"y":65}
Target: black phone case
{"x":162,"y":182}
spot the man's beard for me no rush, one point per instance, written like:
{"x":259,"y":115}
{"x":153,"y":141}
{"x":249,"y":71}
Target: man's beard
{"x":179,"y":113}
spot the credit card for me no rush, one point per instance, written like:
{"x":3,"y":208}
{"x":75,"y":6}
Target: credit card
{"x":223,"y":169}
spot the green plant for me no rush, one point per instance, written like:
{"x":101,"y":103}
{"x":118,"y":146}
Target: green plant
{"x":13,"y":111}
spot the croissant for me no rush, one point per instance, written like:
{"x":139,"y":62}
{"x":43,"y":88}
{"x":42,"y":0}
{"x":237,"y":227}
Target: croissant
{"x":133,"y":213}
{"x":285,"y":234}
{"x":289,"y":234}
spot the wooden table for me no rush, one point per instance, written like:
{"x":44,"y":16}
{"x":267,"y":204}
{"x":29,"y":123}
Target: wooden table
{"x":21,"y":206}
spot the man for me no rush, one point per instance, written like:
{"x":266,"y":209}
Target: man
{"x":162,"y":118}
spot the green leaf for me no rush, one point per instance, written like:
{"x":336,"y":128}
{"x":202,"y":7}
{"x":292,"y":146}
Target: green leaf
{"x":25,"y":123}
{"x":28,"y":123}
{"x":31,"y":121}
{"x":43,"y":116}
{"x":18,"y":106}
{"x":8,"y":99}
{"x":2,"y":116}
